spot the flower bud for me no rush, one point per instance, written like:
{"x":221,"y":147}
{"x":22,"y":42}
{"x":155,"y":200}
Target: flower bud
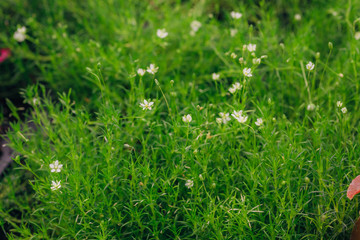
{"x":330,"y":45}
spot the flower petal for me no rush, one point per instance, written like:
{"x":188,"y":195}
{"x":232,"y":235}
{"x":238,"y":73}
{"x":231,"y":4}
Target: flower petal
{"x":354,"y":188}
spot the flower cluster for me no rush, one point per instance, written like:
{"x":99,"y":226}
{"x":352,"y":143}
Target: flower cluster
{"x":55,"y":167}
{"x":152,"y":69}
{"x":339,"y":104}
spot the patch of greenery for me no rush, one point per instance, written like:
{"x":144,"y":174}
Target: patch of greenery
{"x":249,"y":128}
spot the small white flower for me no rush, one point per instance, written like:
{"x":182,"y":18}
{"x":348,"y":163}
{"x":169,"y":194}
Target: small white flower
{"x":241,"y":60}
{"x":233,"y":55}
{"x":251,"y":47}
{"x":232,"y":90}
{"x":152,"y":69}
{"x":233,"y":32}
{"x":55,"y":166}
{"x":146,"y":105}
{"x":339,"y":104}
{"x":224,"y":118}
{"x":235,"y":15}
{"x":55,"y":185}
{"x":189,"y":183}
{"x":20,"y":34}
{"x":141,"y":72}
{"x":215,"y":76}
{"x":257,"y":61}
{"x":161,"y":33}
{"x":297,"y":17}
{"x":235,"y":87}
{"x":247,"y":72}
{"x":238,"y":115}
{"x":341,"y":75}
{"x":310,"y":66}
{"x":187,"y":118}
{"x":259,"y":122}
{"x":311,"y":107}
{"x":195,"y":25}
{"x":357,"y":35}
{"x":344,"y":110}
{"x":35,"y":101}
{"x":128,"y":147}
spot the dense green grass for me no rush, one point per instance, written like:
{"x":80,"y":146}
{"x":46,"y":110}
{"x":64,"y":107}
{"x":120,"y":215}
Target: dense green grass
{"x":130,"y":173}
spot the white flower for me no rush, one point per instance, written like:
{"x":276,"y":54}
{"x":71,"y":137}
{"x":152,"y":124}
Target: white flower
{"x":235,"y":15}
{"x":239,"y":116}
{"x":233,"y":32}
{"x":146,"y":105}
{"x":161,"y":33}
{"x":55,"y":185}
{"x":187,"y":118}
{"x":233,"y":55}
{"x":344,"y":110}
{"x":357,"y":35}
{"x":35,"y":101}
{"x":20,"y":34}
{"x":256,"y":60}
{"x":141,"y":72}
{"x":232,"y":90}
{"x":247,"y":72}
{"x":259,"y":122}
{"x":235,"y":87}
{"x":310,"y":66}
{"x":339,"y":104}
{"x":251,"y":47}
{"x":224,"y":118}
{"x":152,"y":69}
{"x":215,"y":76}
{"x":195,"y":25}
{"x":297,"y":17}
{"x":189,"y":183}
{"x":311,"y":107}
{"x":56,"y":166}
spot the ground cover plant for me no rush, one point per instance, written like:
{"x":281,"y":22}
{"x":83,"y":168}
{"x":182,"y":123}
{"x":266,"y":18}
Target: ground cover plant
{"x":180,"y":119}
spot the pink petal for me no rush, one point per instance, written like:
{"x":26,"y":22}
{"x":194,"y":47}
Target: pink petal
{"x":354,"y":188}
{"x":4,"y":54}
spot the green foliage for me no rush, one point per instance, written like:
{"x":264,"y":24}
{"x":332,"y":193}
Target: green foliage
{"x":127,"y":172}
